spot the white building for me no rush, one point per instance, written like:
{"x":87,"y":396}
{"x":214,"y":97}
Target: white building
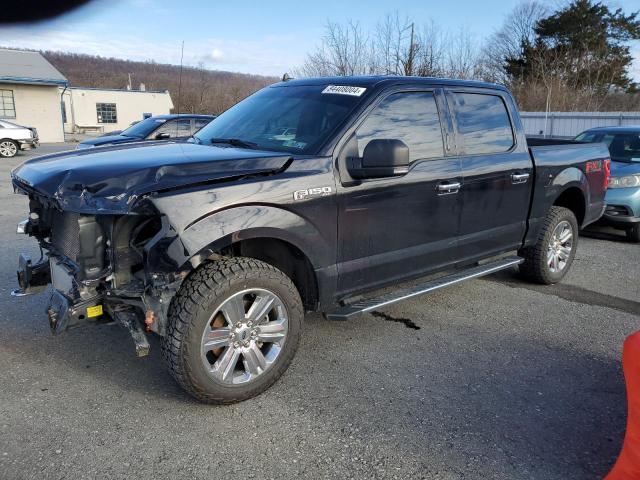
{"x":30,"y":93}
{"x":34,"y":94}
{"x":105,"y":110}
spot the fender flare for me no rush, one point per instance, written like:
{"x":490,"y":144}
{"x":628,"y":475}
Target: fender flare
{"x":569,"y":178}
{"x":223,"y":228}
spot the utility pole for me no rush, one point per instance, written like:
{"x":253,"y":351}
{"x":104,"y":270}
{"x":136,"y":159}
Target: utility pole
{"x":411,"y":54}
{"x":180,"y":78}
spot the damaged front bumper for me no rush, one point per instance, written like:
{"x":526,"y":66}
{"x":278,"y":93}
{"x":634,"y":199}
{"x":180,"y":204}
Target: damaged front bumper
{"x":87,"y":292}
{"x":64,"y":311}
{"x":66,"y":308}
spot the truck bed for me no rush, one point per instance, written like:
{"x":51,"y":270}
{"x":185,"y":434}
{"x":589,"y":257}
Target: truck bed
{"x":557,"y":162}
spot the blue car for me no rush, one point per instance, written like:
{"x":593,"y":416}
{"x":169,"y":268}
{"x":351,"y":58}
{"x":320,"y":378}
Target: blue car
{"x":158,"y":127}
{"x":623,"y":194}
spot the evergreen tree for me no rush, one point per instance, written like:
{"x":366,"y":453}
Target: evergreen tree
{"x":584,"y":46}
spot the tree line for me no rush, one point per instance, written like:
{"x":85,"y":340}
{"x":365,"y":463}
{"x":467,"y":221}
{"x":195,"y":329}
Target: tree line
{"x":199,"y":91}
{"x":575,"y":58}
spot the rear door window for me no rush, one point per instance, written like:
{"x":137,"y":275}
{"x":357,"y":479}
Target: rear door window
{"x":411,"y":117}
{"x":483,"y":123}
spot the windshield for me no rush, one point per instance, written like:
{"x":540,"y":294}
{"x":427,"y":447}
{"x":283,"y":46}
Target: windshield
{"x":143,"y":128}
{"x":287,"y":119}
{"x":586,"y":137}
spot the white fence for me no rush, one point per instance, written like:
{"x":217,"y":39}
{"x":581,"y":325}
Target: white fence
{"x":570,"y":124}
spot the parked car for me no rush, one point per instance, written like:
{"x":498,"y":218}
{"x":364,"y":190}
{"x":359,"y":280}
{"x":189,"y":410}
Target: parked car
{"x":14,"y":138}
{"x":159,"y":127}
{"x":623,"y":194}
{"x":221,"y":243}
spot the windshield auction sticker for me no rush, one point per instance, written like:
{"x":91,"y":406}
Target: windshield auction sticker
{"x":344,"y":90}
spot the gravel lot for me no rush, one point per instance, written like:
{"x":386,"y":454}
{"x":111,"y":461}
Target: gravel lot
{"x":502,"y":380}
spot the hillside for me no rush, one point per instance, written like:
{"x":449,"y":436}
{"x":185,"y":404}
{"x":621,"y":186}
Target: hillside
{"x":203,"y":91}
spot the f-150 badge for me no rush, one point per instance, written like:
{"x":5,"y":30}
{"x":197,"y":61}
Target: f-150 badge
{"x":311,"y":192}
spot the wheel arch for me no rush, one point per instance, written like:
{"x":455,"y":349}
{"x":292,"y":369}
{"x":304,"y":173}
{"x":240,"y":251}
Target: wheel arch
{"x":573,"y":198}
{"x":271,"y":234}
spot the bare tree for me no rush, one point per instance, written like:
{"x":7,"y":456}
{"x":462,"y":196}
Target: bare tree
{"x":396,"y":46}
{"x":431,"y":53}
{"x":344,"y":50}
{"x":461,"y":57}
{"x":507,"y":42}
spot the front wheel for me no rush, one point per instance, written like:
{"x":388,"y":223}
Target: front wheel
{"x":550,"y":258}
{"x":234,"y":327}
{"x":8,"y":148}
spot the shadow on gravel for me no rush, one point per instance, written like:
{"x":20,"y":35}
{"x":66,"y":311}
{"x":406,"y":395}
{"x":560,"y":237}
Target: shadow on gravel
{"x":568,"y":292}
{"x":604,"y":233}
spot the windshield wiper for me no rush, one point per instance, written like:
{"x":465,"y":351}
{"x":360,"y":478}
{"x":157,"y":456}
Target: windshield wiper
{"x":236,"y":142}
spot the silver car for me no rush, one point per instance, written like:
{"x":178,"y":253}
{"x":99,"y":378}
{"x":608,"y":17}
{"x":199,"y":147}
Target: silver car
{"x":16,"y":137}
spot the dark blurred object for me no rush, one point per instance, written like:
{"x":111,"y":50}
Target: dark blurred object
{"x":627,"y":467}
{"x":35,"y":10}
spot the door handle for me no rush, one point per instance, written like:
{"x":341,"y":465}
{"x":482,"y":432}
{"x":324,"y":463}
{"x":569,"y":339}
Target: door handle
{"x":519,"y":177}
{"x":448,"y":188}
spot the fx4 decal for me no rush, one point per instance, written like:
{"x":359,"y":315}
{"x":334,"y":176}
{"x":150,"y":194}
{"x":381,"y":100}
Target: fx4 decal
{"x":594,"y":166}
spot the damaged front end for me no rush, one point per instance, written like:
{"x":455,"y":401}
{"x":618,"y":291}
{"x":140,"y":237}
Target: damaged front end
{"x":109,"y":252}
{"x":96,"y":265}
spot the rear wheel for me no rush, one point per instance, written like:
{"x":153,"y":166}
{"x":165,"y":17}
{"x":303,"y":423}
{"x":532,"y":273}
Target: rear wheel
{"x":633,"y":234}
{"x":8,"y":148}
{"x":234,"y":327}
{"x":550,"y":258}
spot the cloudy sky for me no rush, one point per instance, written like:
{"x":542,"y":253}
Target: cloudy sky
{"x":244,"y":36}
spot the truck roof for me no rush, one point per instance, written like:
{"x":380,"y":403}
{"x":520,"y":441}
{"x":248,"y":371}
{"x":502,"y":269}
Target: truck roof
{"x":373,"y":81}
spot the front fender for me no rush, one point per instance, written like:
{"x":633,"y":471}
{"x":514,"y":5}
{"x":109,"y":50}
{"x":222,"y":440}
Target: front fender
{"x":210,"y":234}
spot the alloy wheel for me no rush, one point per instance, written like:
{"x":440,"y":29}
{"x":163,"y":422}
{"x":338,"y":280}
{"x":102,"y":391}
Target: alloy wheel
{"x":560,"y":246}
{"x":244,"y":336}
{"x":8,"y":149}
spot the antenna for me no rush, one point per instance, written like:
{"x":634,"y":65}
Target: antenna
{"x":180,"y":78}
{"x":286,"y":77}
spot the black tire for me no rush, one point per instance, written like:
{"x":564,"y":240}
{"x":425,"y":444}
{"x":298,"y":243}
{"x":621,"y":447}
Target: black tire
{"x":7,"y":152}
{"x":633,"y":234}
{"x":536,"y":267}
{"x":201,"y":294}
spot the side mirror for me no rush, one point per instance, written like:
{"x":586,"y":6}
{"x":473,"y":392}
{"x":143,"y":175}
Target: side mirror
{"x":162,"y":136}
{"x":381,"y":158}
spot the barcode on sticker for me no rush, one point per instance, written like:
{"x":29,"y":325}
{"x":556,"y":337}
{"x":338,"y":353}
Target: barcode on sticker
{"x":344,"y":90}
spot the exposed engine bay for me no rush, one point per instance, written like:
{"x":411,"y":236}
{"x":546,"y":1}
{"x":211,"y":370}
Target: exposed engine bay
{"x":95,"y":264}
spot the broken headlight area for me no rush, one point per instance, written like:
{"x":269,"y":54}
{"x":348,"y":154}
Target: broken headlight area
{"x":96,"y":266}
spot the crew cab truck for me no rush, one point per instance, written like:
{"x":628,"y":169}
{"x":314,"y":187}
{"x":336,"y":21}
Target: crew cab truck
{"x":219,"y":244}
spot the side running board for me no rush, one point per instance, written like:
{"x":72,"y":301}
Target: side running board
{"x":363,"y":306}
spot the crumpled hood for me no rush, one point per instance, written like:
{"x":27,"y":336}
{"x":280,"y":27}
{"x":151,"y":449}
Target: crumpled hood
{"x":111,"y":179}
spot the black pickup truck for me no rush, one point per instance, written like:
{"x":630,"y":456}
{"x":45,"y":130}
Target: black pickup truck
{"x":310,"y":195}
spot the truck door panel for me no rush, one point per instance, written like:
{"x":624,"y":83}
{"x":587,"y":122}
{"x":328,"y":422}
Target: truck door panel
{"x":397,"y":227}
{"x":497,"y":175}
